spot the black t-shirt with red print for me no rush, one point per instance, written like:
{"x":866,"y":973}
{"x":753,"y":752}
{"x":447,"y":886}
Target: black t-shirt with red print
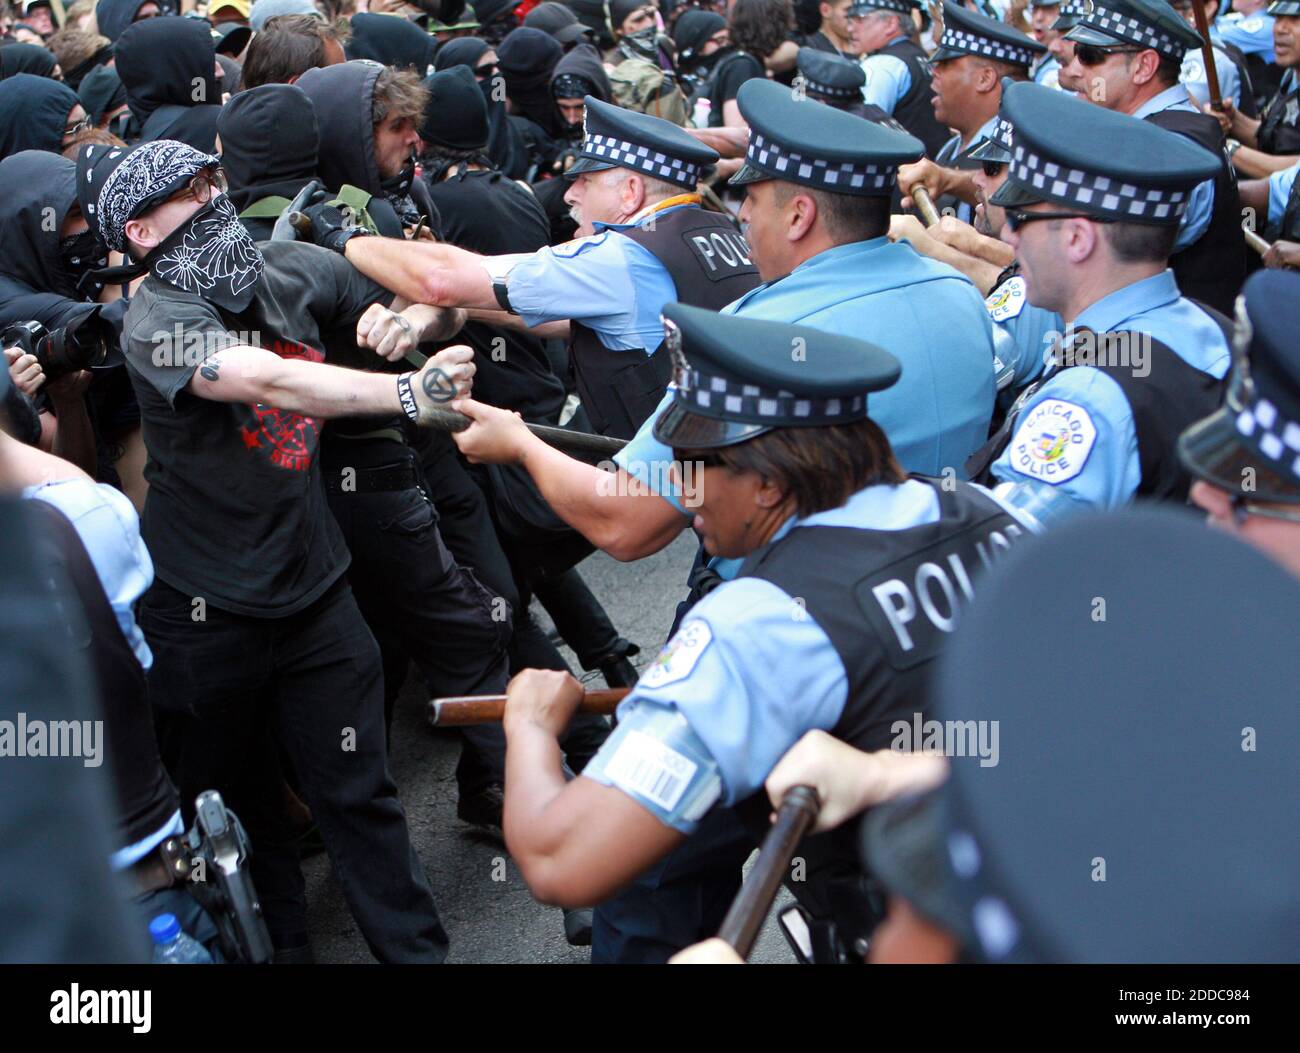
{"x":236,"y":512}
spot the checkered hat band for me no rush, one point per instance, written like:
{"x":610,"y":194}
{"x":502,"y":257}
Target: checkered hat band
{"x":721,"y":395}
{"x":1120,"y":25}
{"x":1272,"y":434}
{"x":1070,"y":10}
{"x":642,"y":158}
{"x":831,"y":91}
{"x":844,"y":177}
{"x":974,"y":44}
{"x":865,"y":7}
{"x":1002,"y":133}
{"x":1092,"y":192}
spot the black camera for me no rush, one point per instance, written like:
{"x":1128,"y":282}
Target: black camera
{"x":81,"y":344}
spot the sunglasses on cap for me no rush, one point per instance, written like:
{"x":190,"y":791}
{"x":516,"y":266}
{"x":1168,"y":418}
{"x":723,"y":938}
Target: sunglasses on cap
{"x":1095,"y":55}
{"x":1017,"y":218}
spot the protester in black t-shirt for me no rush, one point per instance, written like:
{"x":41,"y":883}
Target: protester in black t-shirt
{"x":251,"y":621}
{"x":756,"y":28}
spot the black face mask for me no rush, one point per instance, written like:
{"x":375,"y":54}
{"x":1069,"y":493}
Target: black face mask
{"x":644,"y":43}
{"x":80,"y":254}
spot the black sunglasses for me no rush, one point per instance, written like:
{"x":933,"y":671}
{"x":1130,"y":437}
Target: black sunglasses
{"x":1095,"y":55}
{"x":993,"y":169}
{"x":1243,"y":508}
{"x":1017,"y":218}
{"x":486,"y":70}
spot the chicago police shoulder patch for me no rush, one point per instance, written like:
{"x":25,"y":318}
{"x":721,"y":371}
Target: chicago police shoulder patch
{"x":1053,"y":441}
{"x":1007,"y":300}
{"x":679,"y":655}
{"x":568,"y":249}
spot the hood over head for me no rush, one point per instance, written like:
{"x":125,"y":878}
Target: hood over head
{"x":26,"y":58}
{"x":343,"y":97}
{"x":167,"y":62}
{"x":33,"y":114}
{"x":36,"y":181}
{"x":270,"y":142}
{"x":390,"y":39}
{"x":113,"y":16}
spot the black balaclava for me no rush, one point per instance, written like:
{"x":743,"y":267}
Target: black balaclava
{"x":455,"y":118}
{"x":594,"y":14}
{"x":270,"y":143}
{"x":211,"y":254}
{"x":33,"y":113}
{"x":168,"y":67}
{"x":579,"y":74}
{"x":41,"y":185}
{"x":505,"y":147}
{"x":113,"y":16}
{"x":527,"y":58}
{"x":391,"y":40}
{"x":692,"y":32}
{"x":26,"y":58}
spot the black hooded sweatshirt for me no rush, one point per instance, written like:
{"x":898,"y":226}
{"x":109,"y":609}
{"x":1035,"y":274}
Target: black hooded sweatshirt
{"x":391,"y":40}
{"x":527,"y":58}
{"x":506,"y":144}
{"x":583,"y":62}
{"x":343,"y":96}
{"x":33,"y":113}
{"x":113,"y":16}
{"x":26,"y":58}
{"x":168,"y":67}
{"x":270,"y":142}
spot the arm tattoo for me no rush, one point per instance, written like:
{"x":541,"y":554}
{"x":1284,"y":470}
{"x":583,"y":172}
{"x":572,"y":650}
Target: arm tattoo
{"x":211,"y":369}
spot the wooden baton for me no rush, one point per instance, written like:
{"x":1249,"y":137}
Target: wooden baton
{"x":489,"y":709}
{"x":794,"y":818}
{"x":1207,"y":52}
{"x":1257,"y":243}
{"x":925,"y":206}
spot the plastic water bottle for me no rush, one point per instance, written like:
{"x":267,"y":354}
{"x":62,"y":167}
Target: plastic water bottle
{"x":703,"y":107}
{"x":172,"y":945}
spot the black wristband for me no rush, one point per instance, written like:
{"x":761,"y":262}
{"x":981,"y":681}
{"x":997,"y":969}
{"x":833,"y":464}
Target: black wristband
{"x":407,"y":397}
{"x":502,"y":293}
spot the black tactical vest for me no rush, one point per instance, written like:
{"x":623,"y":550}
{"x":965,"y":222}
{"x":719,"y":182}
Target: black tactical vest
{"x":1288,"y":225}
{"x":1212,"y":269}
{"x":888,"y":600}
{"x":708,"y":261}
{"x":1279,"y":129}
{"x":146,"y":798}
{"x":1172,"y":396}
{"x":914,"y":110}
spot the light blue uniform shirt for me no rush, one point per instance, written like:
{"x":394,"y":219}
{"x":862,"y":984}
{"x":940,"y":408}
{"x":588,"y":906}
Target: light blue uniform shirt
{"x":1279,"y":191}
{"x":888,"y":79}
{"x":1252,"y":33}
{"x":1022,"y":333}
{"x":109,"y":530}
{"x":1200,"y":206}
{"x":745,"y":677}
{"x":1047,"y":71}
{"x":610,"y":284}
{"x":1074,"y":436}
{"x":1197,"y":84}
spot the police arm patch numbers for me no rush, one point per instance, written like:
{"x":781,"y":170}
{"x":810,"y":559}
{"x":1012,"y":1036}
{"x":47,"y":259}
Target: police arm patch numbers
{"x":648,"y":768}
{"x":679,"y":655}
{"x":1007,"y":300}
{"x":1053,"y":442}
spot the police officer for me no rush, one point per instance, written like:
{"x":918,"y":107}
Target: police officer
{"x":1277,"y":131}
{"x":1248,"y":28}
{"x":800,"y":483}
{"x":1132,"y":52}
{"x":897,"y":69}
{"x":975,"y":54}
{"x":1006,"y":851}
{"x":1022,"y":332}
{"x":1234,"y":80}
{"x":1137,"y":361}
{"x":648,"y":242}
{"x":838,"y":82}
{"x":1042,"y":20}
{"x":1245,"y":457}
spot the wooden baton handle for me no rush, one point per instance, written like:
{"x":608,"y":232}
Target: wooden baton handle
{"x":925,"y":206}
{"x":489,"y":709}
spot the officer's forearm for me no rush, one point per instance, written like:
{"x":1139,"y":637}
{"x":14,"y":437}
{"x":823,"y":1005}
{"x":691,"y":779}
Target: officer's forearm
{"x":614,"y":511}
{"x":1258,"y":165}
{"x":423,"y":271}
{"x":558,"y":330}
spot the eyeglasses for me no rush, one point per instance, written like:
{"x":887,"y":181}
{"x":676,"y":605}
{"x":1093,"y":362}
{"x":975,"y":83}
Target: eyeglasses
{"x":993,"y":169}
{"x":72,"y":130}
{"x":203,"y":187}
{"x":1095,"y":55}
{"x":1017,"y":218}
{"x":1243,"y":509}
{"x":487,"y":70}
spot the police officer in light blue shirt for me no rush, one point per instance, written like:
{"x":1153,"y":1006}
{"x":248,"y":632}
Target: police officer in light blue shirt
{"x":1137,"y":362}
{"x":1251,"y":31}
{"x":800,"y":483}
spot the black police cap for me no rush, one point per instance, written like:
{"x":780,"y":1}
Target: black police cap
{"x":1144,"y":174}
{"x":830,"y":75}
{"x":798,"y":140}
{"x":967,"y":32}
{"x":1251,"y":445}
{"x":619,"y":138}
{"x":740,"y":377}
{"x":1142,"y":806}
{"x":1144,"y":23}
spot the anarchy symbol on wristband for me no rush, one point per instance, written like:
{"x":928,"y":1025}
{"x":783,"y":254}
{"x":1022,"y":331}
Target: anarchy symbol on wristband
{"x":438,"y":386}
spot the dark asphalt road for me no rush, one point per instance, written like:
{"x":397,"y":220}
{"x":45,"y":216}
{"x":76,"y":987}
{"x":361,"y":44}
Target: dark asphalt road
{"x":485,"y":907}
